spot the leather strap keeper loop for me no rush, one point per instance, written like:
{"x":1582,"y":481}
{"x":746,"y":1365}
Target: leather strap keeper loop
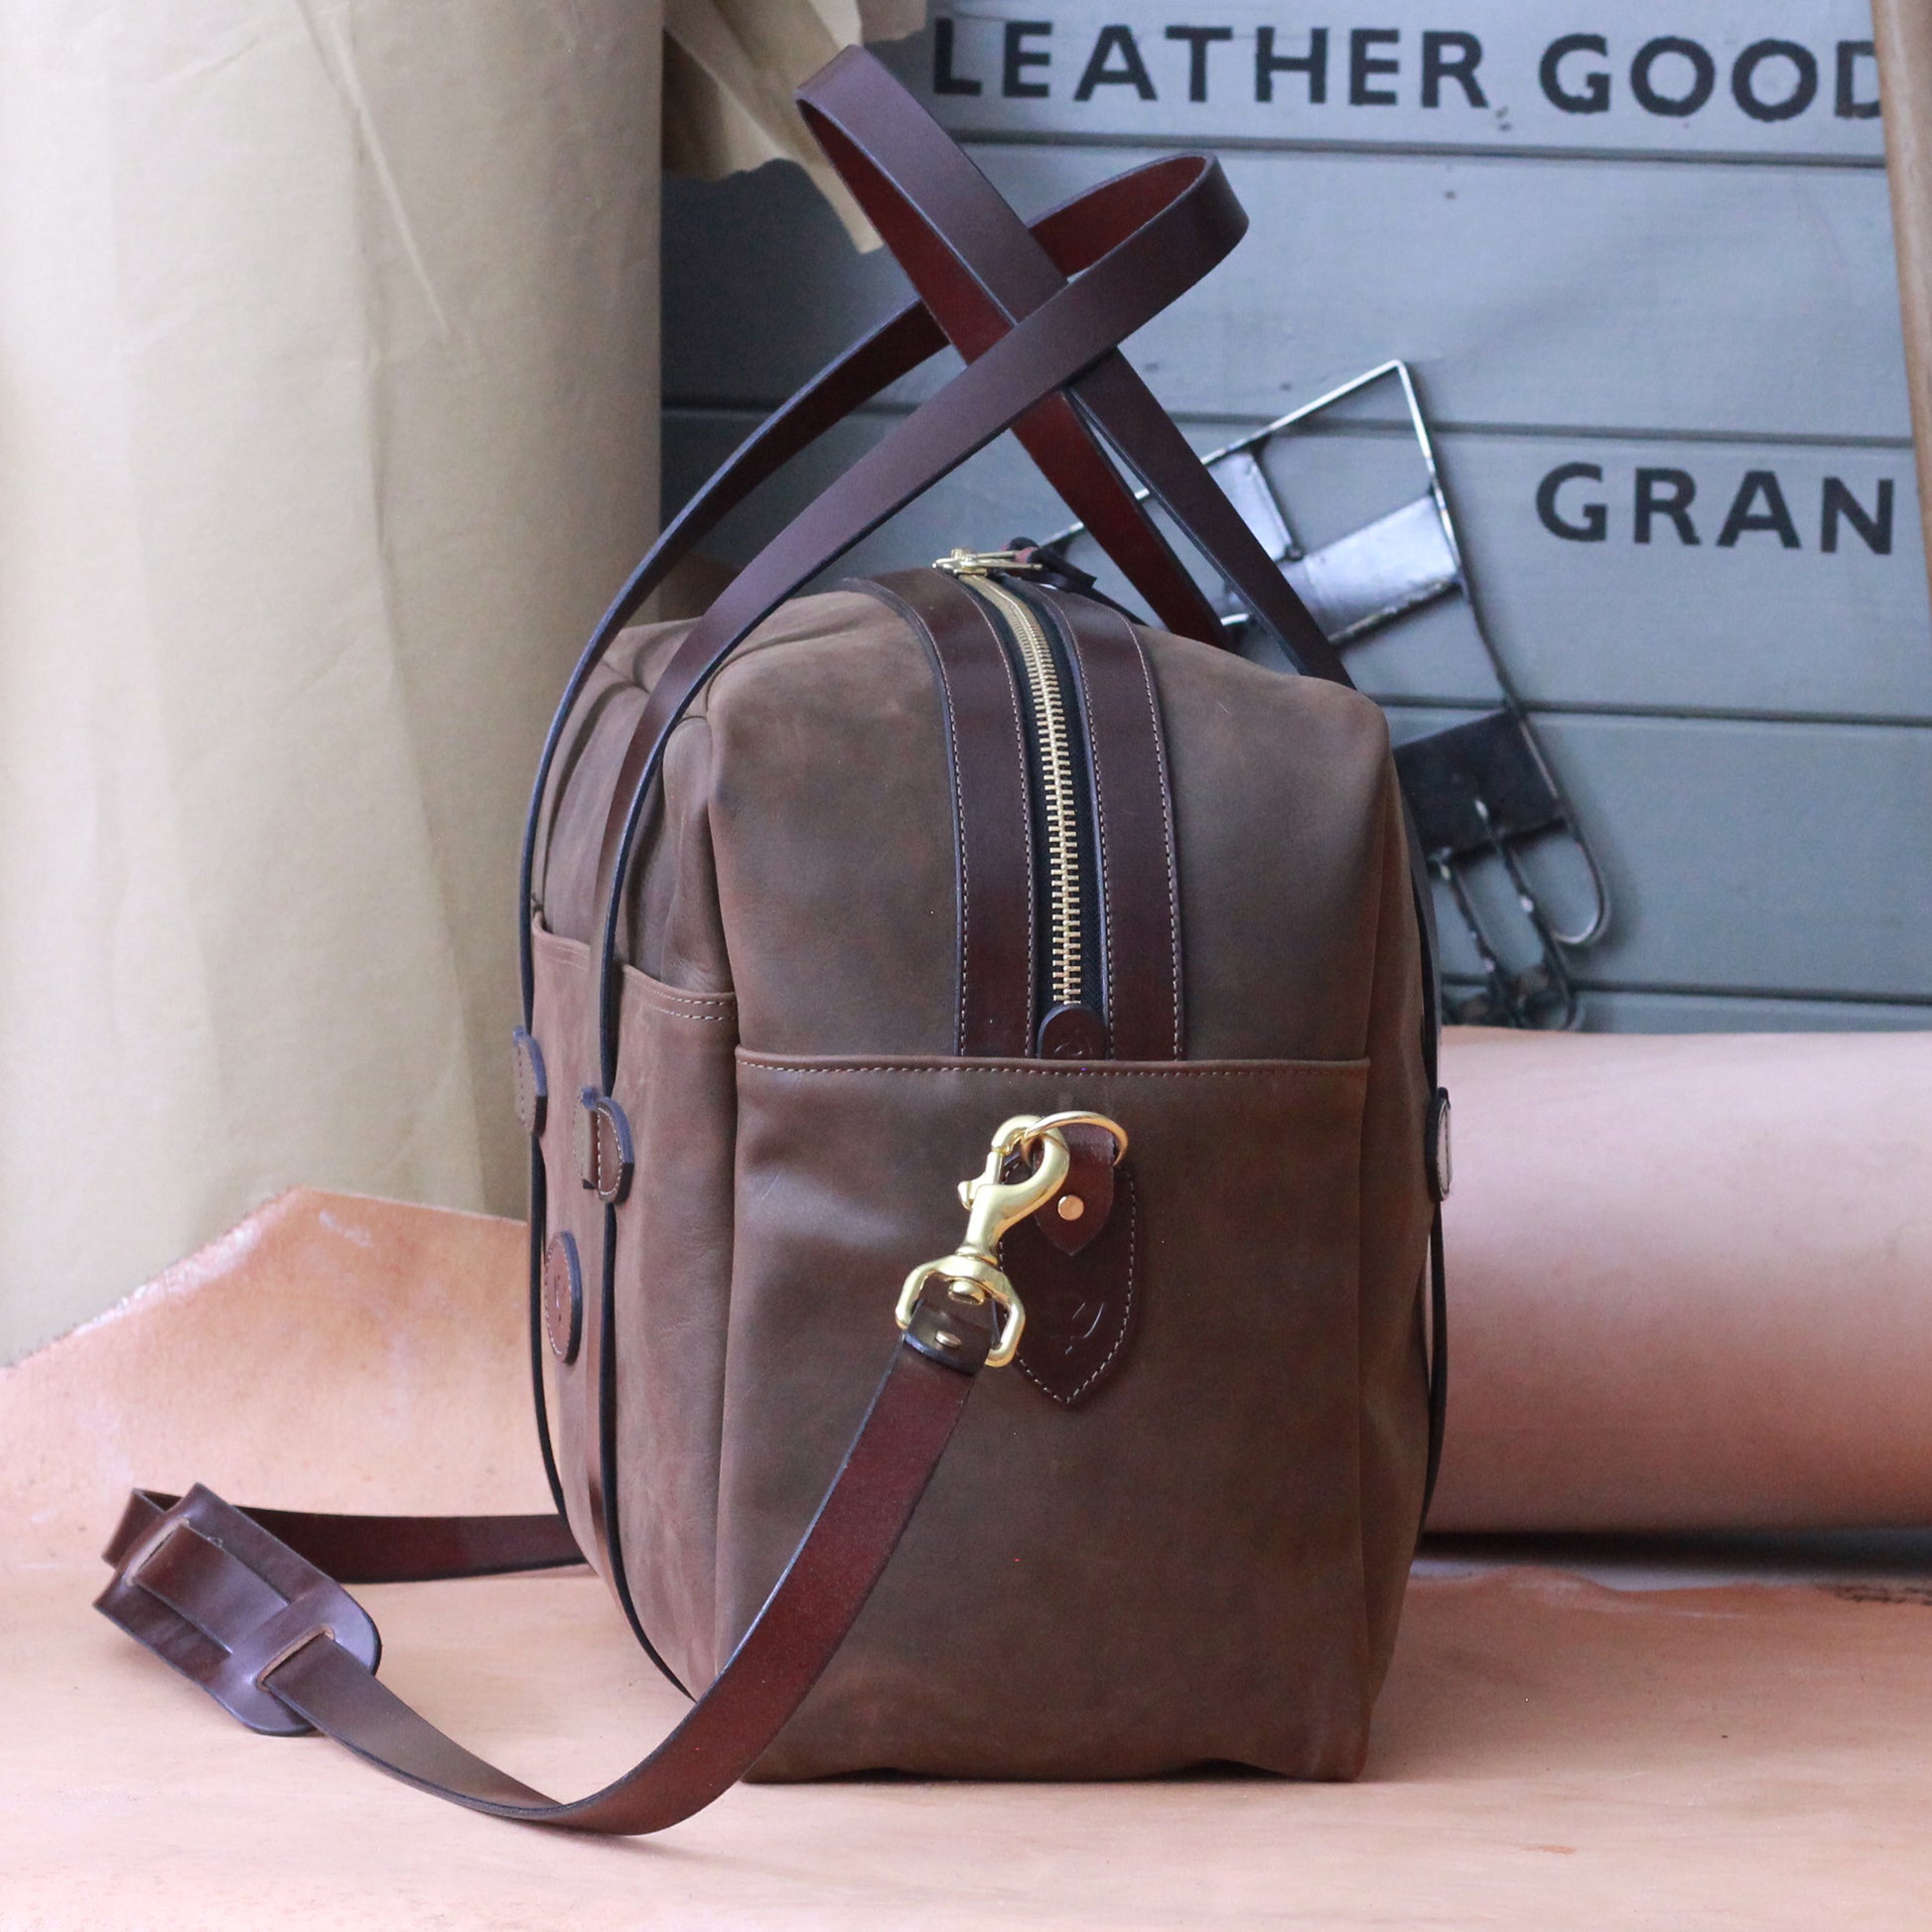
{"x":225,"y":1603}
{"x":1436,"y":1146}
{"x":532,"y":1084}
{"x":605,"y":1158}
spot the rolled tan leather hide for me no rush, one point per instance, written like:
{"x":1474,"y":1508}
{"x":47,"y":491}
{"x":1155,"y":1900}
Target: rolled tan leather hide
{"x":1691,"y":1282}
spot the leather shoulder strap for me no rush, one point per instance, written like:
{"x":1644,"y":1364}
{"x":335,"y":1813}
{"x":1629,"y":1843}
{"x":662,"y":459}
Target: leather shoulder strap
{"x":980,"y":271}
{"x":231,"y":1600}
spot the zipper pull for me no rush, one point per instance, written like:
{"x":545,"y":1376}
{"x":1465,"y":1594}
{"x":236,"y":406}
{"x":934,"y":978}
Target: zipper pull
{"x":1053,"y":570}
{"x":983,"y":563}
{"x":1071,"y":1031}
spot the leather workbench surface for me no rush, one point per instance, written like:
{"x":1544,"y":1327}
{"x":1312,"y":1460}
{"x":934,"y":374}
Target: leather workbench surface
{"x":1549,"y":1751}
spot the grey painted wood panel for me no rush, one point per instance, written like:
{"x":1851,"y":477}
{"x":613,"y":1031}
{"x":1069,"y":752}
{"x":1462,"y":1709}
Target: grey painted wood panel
{"x":1709,"y":1013}
{"x":1748,"y":627}
{"x":1746,"y":856}
{"x":1745,"y":618}
{"x":1721,"y":300}
{"x":1784,"y":78}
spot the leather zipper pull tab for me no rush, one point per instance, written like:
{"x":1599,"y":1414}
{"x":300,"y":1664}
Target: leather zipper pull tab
{"x":1051,"y":568}
{"x":1071,"y":1033}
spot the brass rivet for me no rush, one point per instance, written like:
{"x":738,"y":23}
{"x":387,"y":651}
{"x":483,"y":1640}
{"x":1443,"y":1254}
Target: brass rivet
{"x":1071,"y":1207}
{"x":945,"y":1339}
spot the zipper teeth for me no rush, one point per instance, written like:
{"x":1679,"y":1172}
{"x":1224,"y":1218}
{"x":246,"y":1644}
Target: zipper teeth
{"x":1056,"y":786}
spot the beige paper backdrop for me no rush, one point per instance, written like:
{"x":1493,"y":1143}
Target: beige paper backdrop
{"x":729,"y":69}
{"x":327,"y":423}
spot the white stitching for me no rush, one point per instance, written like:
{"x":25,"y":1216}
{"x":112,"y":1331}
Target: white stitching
{"x":671,"y":1011}
{"x":1091,"y":1070}
{"x":959,"y":834}
{"x":658,"y":990}
{"x":1127,"y":1310}
{"x":1166,"y":827}
{"x":1099,"y":821}
{"x":1026,"y":808}
{"x":668,"y":1004}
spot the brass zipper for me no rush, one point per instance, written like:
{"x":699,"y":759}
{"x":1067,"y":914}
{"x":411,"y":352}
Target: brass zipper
{"x":1047,"y":700}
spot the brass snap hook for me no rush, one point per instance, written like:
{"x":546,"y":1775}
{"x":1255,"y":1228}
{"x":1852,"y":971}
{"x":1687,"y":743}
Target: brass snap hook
{"x":993,"y":1205}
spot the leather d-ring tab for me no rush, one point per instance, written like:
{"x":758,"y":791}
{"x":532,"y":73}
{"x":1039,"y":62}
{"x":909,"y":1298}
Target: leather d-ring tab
{"x":1075,"y":1216}
{"x":605,"y":1156}
{"x":532,"y":1085}
{"x":1082,"y":1304}
{"x":212,"y":1592}
{"x":563,"y":1297}
{"x":1436,"y":1146}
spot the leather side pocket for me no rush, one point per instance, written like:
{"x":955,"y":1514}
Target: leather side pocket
{"x":673,"y":1261}
{"x":1168,"y":1574}
{"x":573,"y":1218}
{"x":671,"y":1283}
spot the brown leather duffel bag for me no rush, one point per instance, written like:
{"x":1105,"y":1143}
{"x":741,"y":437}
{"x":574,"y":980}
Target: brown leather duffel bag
{"x":835,"y":903}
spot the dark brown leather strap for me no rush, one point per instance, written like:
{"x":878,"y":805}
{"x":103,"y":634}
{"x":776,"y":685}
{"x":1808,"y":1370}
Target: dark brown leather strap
{"x":1438,"y":1359}
{"x":1139,"y":884}
{"x":923,"y":191}
{"x":599,"y":1368}
{"x":950,"y":229}
{"x":1067,"y":341}
{"x":383,"y":1549}
{"x":1074,"y":236}
{"x":979,"y":700}
{"x":237,"y":1610}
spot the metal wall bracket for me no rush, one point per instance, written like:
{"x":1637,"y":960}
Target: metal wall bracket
{"x":1482,"y":792}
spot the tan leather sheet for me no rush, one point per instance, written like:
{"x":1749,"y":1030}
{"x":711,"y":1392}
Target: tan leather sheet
{"x":1549,"y":1751}
{"x":1690,"y":1281}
